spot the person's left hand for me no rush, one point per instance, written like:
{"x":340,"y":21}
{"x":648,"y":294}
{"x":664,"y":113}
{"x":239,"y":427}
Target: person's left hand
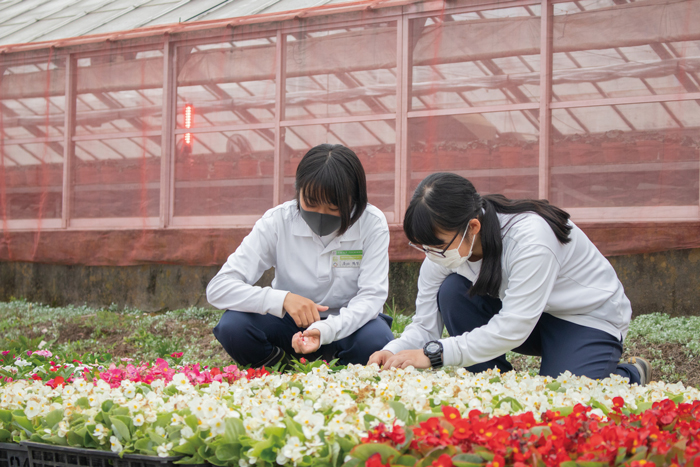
{"x":308,"y":341}
{"x":415,"y":358}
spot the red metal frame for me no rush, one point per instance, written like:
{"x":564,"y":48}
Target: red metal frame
{"x":169,"y":37}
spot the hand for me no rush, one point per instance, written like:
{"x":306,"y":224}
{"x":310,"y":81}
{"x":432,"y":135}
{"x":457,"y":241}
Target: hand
{"x":405,"y":358}
{"x":380,"y":357}
{"x":306,"y":342}
{"x":303,"y":311}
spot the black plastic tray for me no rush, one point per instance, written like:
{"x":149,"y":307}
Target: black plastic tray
{"x":13,"y":455}
{"x":47,"y":455}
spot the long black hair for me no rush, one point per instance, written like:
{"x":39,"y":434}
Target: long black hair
{"x":333,"y":174}
{"x":446,"y":202}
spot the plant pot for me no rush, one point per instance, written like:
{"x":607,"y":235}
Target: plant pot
{"x":46,"y":455}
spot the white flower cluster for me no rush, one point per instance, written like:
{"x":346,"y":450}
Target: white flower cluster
{"x":323,"y":403}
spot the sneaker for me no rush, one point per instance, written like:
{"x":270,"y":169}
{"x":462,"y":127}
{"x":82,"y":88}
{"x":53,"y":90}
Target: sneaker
{"x":643,"y":367}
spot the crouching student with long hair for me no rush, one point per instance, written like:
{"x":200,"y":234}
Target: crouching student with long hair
{"x":504,"y":275}
{"x":329,"y":248}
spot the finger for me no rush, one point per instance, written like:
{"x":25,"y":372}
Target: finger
{"x":321,"y":307}
{"x":296,"y":319}
{"x":315,"y":315}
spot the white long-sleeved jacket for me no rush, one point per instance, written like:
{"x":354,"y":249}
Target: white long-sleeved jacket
{"x":573,"y":282}
{"x":304,"y":266}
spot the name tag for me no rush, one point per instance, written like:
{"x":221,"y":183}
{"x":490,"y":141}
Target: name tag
{"x":346,"y":258}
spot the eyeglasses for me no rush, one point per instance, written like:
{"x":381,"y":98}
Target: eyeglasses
{"x":430,"y":251}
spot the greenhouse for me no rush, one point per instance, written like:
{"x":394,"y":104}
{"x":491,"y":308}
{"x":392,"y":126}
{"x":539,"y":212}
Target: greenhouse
{"x":160,"y":131}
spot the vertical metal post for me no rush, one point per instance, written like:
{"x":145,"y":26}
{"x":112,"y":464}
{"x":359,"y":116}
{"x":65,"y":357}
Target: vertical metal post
{"x":69,"y":131}
{"x":546,"y":53}
{"x":167,"y":145}
{"x":280,"y":74}
{"x":403,"y":70}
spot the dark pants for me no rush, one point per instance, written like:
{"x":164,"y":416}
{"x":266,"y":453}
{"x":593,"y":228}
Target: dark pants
{"x":563,"y":345}
{"x":249,"y":338}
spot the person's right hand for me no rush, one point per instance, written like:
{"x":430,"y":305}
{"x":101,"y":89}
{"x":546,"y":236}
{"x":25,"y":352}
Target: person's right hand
{"x":303,"y":311}
{"x":380,"y":357}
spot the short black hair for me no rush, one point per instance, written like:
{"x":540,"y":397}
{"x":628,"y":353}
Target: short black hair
{"x":333,"y":174}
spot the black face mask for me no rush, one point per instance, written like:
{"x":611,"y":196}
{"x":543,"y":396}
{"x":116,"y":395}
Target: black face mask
{"x":320,"y":224}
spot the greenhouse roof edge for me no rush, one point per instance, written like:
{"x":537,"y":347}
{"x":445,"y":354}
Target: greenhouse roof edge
{"x":16,"y":25}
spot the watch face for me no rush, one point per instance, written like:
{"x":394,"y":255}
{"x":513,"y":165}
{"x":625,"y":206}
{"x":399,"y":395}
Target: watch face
{"x":433,"y":347}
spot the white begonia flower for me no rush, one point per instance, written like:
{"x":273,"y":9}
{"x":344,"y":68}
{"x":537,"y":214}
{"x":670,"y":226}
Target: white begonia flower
{"x":138,"y":419}
{"x":116,"y":445}
{"x":22,"y":363}
{"x":160,"y":430}
{"x":180,"y":379}
{"x":217,"y":426}
{"x":100,"y":431}
{"x":186,"y":432}
{"x":32,"y":409}
{"x":164,"y":449}
{"x":294,"y":449}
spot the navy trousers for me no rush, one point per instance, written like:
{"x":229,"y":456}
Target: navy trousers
{"x":249,"y":338}
{"x":563,"y":345}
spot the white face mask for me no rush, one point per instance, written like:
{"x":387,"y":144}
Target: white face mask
{"x":453,"y":259}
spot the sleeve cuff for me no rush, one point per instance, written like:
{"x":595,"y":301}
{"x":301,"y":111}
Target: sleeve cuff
{"x":394,"y":346}
{"x":451,"y":356}
{"x":273,"y":303}
{"x":327,"y":334}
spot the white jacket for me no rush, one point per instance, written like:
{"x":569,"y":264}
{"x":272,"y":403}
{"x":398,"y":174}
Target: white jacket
{"x":573,"y":282}
{"x":304,"y":266}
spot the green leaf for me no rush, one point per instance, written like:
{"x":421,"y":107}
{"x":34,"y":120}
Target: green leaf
{"x":192,"y":422}
{"x":400,"y":410}
{"x":145,"y":444}
{"x":163,"y":419}
{"x":6,"y":417}
{"x":228,"y":452}
{"x":107,"y":405}
{"x":365,"y":451}
{"x":599,"y":405}
{"x":233,"y":430}
{"x":353,"y":463}
{"x":74,"y":439}
{"x":156,"y":438}
{"x":24,"y":423}
{"x":5,"y":436}
{"x":468,"y":459}
{"x":568,"y":464}
{"x":514,"y":404}
{"x":259,"y":447}
{"x":121,"y":430}
{"x":188,"y":448}
{"x":406,"y":460}
{"x":53,"y":418}
{"x":83,"y":403}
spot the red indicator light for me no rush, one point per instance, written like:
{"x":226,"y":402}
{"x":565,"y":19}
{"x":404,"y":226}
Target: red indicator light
{"x":189,"y":117}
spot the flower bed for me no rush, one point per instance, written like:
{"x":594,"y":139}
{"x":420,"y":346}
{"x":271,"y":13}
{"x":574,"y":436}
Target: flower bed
{"x":319,"y":415}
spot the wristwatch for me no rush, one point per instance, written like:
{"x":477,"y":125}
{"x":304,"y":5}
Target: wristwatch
{"x":433,"y":350}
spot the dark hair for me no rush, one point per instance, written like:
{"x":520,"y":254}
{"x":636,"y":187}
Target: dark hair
{"x":333,"y":174}
{"x":446,"y":202}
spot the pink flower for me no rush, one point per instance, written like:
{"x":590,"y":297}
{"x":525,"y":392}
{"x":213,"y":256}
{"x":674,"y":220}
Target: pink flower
{"x":177,"y":354}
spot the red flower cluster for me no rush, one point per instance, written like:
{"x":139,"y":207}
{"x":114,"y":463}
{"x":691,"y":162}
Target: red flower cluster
{"x":666,"y":434}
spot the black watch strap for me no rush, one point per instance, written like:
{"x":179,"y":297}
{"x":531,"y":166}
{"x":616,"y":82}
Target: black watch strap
{"x":436,"y":355}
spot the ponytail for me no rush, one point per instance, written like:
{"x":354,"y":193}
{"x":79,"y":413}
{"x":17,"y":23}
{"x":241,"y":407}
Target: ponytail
{"x":446,"y":202}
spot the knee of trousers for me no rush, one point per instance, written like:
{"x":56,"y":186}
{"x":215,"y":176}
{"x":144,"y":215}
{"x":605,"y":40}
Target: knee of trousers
{"x":233,"y":328}
{"x":453,"y":290}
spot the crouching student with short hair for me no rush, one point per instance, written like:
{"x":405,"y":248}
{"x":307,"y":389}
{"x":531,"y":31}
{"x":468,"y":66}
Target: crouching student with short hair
{"x":329,"y":248}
